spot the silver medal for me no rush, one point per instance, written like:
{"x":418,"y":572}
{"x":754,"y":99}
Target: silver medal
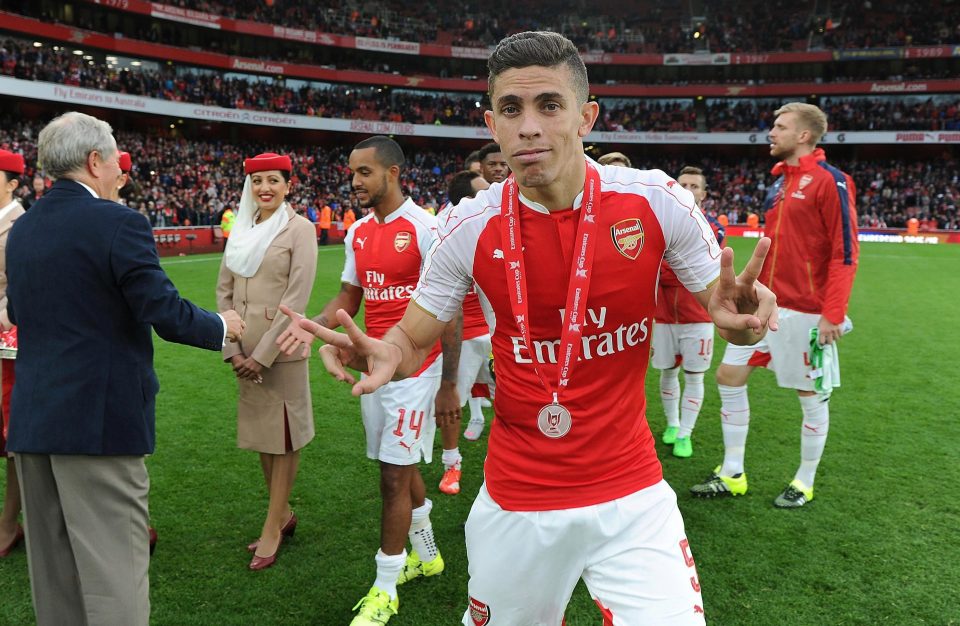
{"x":554,"y":421}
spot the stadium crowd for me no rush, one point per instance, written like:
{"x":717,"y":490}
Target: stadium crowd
{"x":181,"y":182}
{"x":847,"y":114}
{"x":724,"y":26}
{"x":880,"y":23}
{"x":21,"y":59}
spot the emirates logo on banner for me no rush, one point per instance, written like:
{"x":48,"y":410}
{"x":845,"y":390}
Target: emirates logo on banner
{"x":628,"y":237}
{"x":479,"y":612}
{"x":402,"y":241}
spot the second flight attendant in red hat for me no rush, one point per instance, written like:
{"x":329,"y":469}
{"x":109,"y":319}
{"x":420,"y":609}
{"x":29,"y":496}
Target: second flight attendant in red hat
{"x":270,"y":259}
{"x":11,"y":169}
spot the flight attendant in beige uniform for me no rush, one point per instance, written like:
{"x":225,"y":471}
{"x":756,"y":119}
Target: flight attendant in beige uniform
{"x":271,"y":259}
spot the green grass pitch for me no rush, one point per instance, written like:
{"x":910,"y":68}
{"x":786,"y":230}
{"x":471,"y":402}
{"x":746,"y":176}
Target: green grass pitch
{"x":877,"y":546}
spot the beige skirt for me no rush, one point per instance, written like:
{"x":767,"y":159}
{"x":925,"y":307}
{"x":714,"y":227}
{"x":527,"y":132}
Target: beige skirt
{"x":261,"y":407}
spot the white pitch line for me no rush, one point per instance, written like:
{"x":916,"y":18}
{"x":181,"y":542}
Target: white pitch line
{"x":179,"y":261}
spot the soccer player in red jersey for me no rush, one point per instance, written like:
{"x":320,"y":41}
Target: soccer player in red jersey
{"x":682,"y":337}
{"x":474,"y":353}
{"x":812,"y":221}
{"x":565,"y":254}
{"x":384,"y":253}
{"x":493,"y":165}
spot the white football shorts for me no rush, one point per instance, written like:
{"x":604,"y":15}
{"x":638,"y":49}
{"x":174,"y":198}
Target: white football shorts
{"x":631,"y":552}
{"x":399,"y":422}
{"x":474,"y":365}
{"x":690,"y":345}
{"x":786,"y":351}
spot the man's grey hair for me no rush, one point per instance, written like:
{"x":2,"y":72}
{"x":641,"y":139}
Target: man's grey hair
{"x":65,"y":143}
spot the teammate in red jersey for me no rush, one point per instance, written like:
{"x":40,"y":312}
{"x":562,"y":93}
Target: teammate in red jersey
{"x":474,"y":355}
{"x":812,"y":221}
{"x":683,"y":336}
{"x":565,"y":255}
{"x":493,"y":165}
{"x":384,"y":253}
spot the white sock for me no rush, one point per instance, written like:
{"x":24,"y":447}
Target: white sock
{"x":476,"y":409}
{"x":813,"y":436}
{"x":421,"y":532}
{"x":670,"y":395}
{"x":451,"y":458}
{"x":690,"y":402}
{"x":735,"y":422}
{"x":389,"y":567}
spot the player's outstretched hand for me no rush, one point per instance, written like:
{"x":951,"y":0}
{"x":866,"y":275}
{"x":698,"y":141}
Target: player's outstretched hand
{"x":356,"y":350}
{"x":294,"y":337}
{"x":741,"y":303}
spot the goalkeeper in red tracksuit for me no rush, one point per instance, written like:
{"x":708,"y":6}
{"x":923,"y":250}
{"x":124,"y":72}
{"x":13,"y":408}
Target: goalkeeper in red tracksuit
{"x":811,"y":218}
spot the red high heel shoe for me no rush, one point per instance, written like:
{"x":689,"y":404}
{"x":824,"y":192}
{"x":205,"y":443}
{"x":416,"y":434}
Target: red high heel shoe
{"x":285,"y":533}
{"x":17,"y":538}
{"x":263,"y":562}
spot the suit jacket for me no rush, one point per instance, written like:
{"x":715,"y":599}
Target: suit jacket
{"x":85,"y":287}
{"x":285,"y":277}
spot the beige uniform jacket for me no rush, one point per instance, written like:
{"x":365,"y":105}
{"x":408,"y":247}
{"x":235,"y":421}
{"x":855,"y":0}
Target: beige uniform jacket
{"x":285,"y":276}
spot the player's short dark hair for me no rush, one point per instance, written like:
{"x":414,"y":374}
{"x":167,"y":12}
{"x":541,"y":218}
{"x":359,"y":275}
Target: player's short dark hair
{"x":388,"y":152}
{"x":461,"y":186}
{"x":473,"y":157}
{"x":692,"y":170}
{"x":487,"y":150}
{"x":543,"y":48}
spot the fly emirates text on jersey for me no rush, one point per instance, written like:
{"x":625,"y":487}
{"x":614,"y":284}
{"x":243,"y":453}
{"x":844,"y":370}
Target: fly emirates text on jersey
{"x":600,"y":344}
{"x":392,"y":292}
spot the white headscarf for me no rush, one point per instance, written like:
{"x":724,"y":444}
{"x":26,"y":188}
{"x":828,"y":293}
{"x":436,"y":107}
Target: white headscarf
{"x":248,"y":240}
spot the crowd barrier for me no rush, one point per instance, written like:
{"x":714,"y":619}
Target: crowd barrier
{"x":879,"y":235}
{"x":184,"y":240}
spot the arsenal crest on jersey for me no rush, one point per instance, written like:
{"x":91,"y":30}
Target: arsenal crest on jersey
{"x":628,"y":237}
{"x":805,"y":180}
{"x":479,"y":612}
{"x":402,"y":241}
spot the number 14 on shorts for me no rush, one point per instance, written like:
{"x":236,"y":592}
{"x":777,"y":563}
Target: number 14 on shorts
{"x":413,"y":420}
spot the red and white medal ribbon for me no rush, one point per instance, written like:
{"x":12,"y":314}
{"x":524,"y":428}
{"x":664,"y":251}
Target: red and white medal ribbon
{"x":554,"y":420}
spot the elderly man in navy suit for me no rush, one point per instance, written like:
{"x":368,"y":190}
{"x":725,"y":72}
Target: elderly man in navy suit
{"x":85,"y":288}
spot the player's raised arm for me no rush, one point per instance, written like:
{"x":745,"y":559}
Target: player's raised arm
{"x":741,"y":307}
{"x":399,"y":354}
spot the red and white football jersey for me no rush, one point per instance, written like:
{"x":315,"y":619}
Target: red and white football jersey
{"x":643,"y":218}
{"x":385,"y":260}
{"x":474,"y":321}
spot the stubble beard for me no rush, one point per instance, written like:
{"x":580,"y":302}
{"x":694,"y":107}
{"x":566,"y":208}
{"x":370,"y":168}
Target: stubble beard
{"x":374,"y":199}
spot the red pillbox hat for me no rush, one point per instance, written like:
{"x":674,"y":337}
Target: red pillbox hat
{"x":125,"y":162}
{"x":11,"y":162}
{"x":267,"y":161}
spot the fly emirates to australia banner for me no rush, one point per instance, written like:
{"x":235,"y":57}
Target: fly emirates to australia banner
{"x":78,"y":96}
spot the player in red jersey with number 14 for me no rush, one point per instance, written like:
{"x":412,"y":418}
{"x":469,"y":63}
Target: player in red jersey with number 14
{"x":384,"y":252}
